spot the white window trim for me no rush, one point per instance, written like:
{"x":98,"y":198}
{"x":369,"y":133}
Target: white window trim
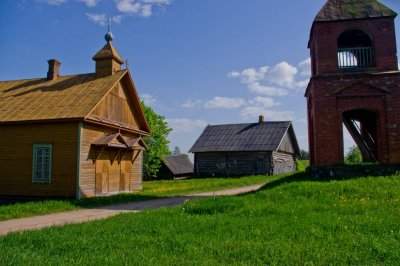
{"x":35,"y":146}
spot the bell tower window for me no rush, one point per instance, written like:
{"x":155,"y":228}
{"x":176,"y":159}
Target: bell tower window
{"x":355,"y":50}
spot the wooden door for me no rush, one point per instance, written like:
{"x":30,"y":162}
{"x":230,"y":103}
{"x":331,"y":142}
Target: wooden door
{"x":125,"y":174}
{"x":102,"y":172}
{"x":114,"y":177}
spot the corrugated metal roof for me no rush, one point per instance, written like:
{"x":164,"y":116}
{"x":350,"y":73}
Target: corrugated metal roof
{"x":179,"y":164}
{"x":63,"y":98}
{"x":265,"y":136}
{"x":353,"y":9}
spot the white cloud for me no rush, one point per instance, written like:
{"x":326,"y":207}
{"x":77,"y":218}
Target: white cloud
{"x":90,"y":3}
{"x":128,"y":6}
{"x":252,"y":112}
{"x":305,"y":67}
{"x":263,"y":101}
{"x":192,"y":104}
{"x":256,"y":87}
{"x":148,"y":99}
{"x":282,"y":74}
{"x":183,"y":125}
{"x":224,"y":103}
{"x":117,"y":19}
{"x":158,"y":2}
{"x":143,"y":8}
{"x":147,"y":11}
{"x":53,"y":2}
{"x":275,"y":81}
{"x":101,"y":19}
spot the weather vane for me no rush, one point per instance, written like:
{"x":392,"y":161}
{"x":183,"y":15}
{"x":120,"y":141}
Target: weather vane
{"x":109,"y":36}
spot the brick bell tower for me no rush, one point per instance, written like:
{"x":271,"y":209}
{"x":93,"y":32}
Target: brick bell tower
{"x":355,"y":83}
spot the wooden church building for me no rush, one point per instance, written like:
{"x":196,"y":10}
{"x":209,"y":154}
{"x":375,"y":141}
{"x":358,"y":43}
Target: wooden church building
{"x":72,"y":136}
{"x":263,"y":148}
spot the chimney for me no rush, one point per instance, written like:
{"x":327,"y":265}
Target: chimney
{"x":54,"y":69}
{"x":261,"y":119}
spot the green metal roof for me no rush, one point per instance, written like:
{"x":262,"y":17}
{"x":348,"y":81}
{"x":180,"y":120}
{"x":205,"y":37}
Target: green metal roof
{"x":353,"y":9}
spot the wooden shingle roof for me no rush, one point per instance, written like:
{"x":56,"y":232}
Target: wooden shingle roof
{"x":66,"y":97}
{"x":179,"y":164}
{"x":353,"y":9}
{"x":266,"y":136}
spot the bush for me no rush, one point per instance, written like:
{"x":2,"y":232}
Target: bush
{"x":353,"y":156}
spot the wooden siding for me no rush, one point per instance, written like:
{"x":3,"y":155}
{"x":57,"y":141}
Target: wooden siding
{"x":242,"y":163}
{"x":110,"y":171}
{"x":287,"y":145}
{"x":16,"y":152}
{"x":117,"y":107}
{"x":232,"y":164}
{"x":283,"y":163}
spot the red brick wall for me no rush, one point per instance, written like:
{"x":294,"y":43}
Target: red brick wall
{"x":324,"y":35}
{"x":330,"y":96}
{"x":332,"y":91}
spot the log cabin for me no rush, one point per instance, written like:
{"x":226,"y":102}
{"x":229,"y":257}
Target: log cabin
{"x":175,"y":167}
{"x":74,"y":136}
{"x":263,"y":148}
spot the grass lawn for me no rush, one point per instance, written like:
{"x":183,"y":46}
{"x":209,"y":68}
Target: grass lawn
{"x":151,"y":190}
{"x":291,"y":221}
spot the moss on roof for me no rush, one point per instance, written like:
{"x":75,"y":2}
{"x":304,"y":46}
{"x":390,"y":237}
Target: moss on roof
{"x":353,"y":9}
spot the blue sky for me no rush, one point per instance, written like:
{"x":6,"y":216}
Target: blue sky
{"x":196,"y":62}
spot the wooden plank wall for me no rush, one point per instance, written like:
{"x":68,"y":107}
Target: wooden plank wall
{"x":136,"y":174}
{"x":116,"y":107}
{"x":115,"y":177}
{"x":283,"y":162}
{"x":287,"y":144}
{"x":16,"y":152}
{"x":232,"y":164}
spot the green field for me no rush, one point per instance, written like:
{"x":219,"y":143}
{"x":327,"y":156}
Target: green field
{"x":151,"y":190}
{"x":291,"y":221}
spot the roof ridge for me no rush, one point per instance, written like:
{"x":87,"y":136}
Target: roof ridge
{"x":266,"y":122}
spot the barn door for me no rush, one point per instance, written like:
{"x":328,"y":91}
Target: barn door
{"x":125,"y":172}
{"x":102,"y":173}
{"x":113,"y":172}
{"x":114,"y":177}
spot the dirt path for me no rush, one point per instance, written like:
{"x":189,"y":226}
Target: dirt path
{"x":85,"y":215}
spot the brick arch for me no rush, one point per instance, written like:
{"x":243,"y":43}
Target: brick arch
{"x":365,"y":126}
{"x":365,"y":30}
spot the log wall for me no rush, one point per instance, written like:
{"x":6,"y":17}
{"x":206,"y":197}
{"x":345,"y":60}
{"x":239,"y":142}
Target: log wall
{"x":232,"y":164}
{"x":283,"y":163}
{"x":219,"y":164}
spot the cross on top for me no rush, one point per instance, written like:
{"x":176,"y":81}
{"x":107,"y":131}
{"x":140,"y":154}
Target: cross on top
{"x":109,"y":24}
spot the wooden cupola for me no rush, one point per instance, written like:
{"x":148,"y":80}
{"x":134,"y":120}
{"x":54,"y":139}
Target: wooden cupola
{"x":108,"y":61}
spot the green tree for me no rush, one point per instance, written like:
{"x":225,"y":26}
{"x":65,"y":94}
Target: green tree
{"x":176,"y":151}
{"x":305,"y":155}
{"x":157,"y":143}
{"x":353,"y":155}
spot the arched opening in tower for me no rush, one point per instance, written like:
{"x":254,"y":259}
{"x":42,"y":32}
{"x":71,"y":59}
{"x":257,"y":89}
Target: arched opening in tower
{"x":355,"y":50}
{"x":362,"y":126}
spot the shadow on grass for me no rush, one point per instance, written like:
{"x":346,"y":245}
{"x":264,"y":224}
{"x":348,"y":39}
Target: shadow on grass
{"x":301,"y":177}
{"x":82,"y":203}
